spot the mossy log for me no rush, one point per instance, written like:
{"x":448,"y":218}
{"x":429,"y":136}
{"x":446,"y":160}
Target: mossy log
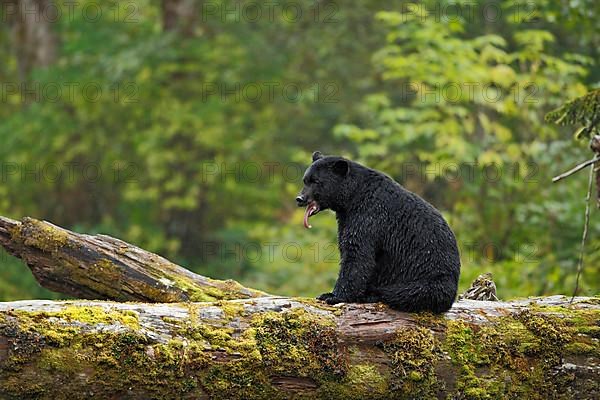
{"x":102,"y":267}
{"x":279,"y":348}
{"x":260,"y":347}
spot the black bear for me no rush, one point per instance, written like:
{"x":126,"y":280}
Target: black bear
{"x":394,"y":246}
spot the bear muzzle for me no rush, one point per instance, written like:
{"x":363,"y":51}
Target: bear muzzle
{"x":301,"y":200}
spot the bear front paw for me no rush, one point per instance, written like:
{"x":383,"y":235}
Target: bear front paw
{"x":325,"y":296}
{"x":334,"y":300}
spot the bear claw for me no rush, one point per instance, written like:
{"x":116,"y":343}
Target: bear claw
{"x":334,"y":300}
{"x":325,"y":296}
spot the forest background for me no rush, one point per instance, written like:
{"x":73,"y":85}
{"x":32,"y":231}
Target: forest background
{"x":184,"y":127}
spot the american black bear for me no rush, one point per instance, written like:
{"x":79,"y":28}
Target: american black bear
{"x":394,"y":246}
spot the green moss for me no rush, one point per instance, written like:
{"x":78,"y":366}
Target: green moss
{"x":592,"y":331}
{"x":193,"y":309}
{"x":230,"y":309}
{"x":40,"y":235}
{"x":217,"y":337}
{"x":292,"y":343}
{"x":105,"y":275}
{"x":88,"y":315}
{"x":64,"y":360}
{"x":221,"y":290}
{"x":156,"y":294}
{"x":105,"y":271}
{"x":518,"y":356}
{"x":239,"y":380}
{"x":122,"y":250}
{"x":230,"y":289}
{"x":195,"y":293}
{"x":476,"y":393}
{"x":296,"y":342}
{"x":362,"y":381}
{"x":110,"y":364}
{"x":548,"y":329}
{"x":205,"y":293}
{"x":209,"y":336}
{"x":591,"y":300}
{"x":366,"y":379}
{"x":469,"y":353}
{"x":413,"y":356}
{"x":580,"y":328}
{"x":583,"y":349}
{"x":321,"y":305}
{"x":432,"y":321}
{"x":15,"y":387}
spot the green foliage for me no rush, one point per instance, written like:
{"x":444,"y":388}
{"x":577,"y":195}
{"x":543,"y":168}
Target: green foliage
{"x":177,"y":155}
{"x":584,"y":110}
{"x":16,"y":283}
{"x":461,"y":121}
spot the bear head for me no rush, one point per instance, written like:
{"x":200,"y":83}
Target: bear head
{"x":326,"y":185}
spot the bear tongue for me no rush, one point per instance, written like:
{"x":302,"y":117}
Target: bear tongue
{"x":311,"y":209}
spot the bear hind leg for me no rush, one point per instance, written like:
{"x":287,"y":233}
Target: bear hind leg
{"x":436,"y":296}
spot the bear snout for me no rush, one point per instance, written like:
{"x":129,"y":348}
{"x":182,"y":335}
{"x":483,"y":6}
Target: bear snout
{"x":301,"y":200}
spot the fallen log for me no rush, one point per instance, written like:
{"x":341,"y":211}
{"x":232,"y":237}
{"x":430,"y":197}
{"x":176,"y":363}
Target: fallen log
{"x":102,"y":267}
{"x":279,"y":348}
{"x":260,"y":347}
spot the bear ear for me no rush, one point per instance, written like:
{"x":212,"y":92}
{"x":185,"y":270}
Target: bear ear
{"x":341,"y":167}
{"x":317,"y":155}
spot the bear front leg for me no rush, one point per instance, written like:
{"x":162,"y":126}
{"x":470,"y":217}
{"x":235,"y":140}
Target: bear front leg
{"x":356,"y":269}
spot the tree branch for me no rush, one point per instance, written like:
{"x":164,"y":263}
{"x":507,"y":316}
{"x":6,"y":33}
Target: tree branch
{"x":102,"y":267}
{"x":575,"y":169}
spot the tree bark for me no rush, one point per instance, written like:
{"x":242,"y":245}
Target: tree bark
{"x":102,"y":267}
{"x":180,"y":16}
{"x":282,"y":348}
{"x":33,"y":36}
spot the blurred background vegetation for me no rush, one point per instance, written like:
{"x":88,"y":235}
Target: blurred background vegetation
{"x":184,"y":127}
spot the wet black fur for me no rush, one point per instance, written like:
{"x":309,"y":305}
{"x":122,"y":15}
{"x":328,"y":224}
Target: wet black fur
{"x":395,"y":247}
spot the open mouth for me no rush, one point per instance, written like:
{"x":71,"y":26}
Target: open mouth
{"x":311,"y":209}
